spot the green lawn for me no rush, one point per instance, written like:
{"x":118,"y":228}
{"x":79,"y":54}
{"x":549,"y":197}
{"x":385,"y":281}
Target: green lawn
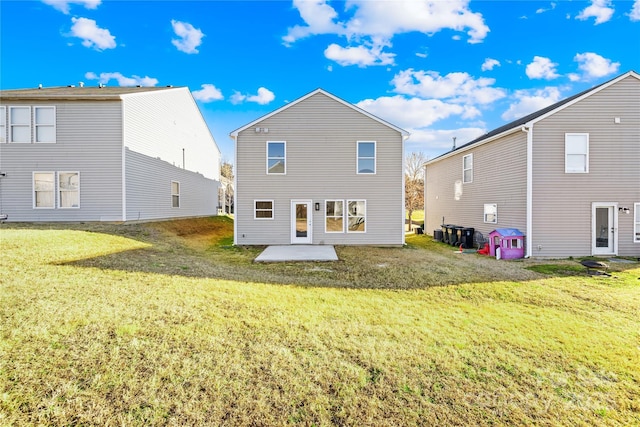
{"x":166,"y":324}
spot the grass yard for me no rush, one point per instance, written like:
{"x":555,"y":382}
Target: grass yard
{"x":168,"y":324}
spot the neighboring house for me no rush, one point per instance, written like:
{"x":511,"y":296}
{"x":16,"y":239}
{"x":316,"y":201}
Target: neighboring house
{"x":319,"y":171}
{"x":105,"y":154}
{"x":567,"y":176}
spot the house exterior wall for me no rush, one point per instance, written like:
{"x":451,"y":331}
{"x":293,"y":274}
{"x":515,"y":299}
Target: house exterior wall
{"x":499,"y":176}
{"x":88,"y":141}
{"x":161,"y":124}
{"x":149,"y":193}
{"x":321,"y":137}
{"x":562,"y":202}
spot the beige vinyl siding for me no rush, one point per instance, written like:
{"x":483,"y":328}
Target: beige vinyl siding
{"x":562,"y":202}
{"x":88,"y":141}
{"x":162,"y":124}
{"x":149,"y":193}
{"x":499,"y":176}
{"x":321,"y":136}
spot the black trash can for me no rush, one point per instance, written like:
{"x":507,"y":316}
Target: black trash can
{"x":437,"y":235}
{"x":456,"y":235}
{"x":445,"y":232}
{"x":466,"y":239}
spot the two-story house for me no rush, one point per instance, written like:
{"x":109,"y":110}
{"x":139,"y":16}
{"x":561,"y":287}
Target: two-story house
{"x":105,"y":154}
{"x":319,"y":170}
{"x":567,"y":176}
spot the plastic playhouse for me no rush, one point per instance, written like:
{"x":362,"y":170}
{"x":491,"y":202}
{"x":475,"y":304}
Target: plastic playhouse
{"x":506,"y":243}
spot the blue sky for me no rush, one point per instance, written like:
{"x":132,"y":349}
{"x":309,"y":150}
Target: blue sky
{"x":439,"y":69}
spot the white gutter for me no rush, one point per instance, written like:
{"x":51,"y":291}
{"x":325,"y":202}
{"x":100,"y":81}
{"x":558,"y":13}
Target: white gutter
{"x":528,"y":128}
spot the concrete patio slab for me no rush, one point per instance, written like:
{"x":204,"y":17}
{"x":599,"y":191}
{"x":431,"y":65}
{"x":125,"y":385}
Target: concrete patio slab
{"x":298,"y":253}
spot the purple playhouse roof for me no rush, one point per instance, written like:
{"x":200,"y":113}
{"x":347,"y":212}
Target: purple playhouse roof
{"x":508,"y":232}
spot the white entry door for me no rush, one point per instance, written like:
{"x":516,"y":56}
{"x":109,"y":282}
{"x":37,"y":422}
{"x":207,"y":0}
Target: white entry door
{"x":605,"y":229}
{"x":301,"y":225}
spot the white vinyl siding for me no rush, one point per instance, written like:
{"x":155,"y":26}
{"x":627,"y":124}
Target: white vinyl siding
{"x":3,"y":124}
{"x":491,"y":213}
{"x":20,"y":124}
{"x":576,"y":149}
{"x":366,"y":157}
{"x":45,"y":123}
{"x":68,"y":190}
{"x":357,"y":216}
{"x":636,"y":223}
{"x":334,"y":216}
{"x":175,"y":194}
{"x":467,"y":169}
{"x":44,"y":190}
{"x":276,"y":157}
{"x":263,"y":209}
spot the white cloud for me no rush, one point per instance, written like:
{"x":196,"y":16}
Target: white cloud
{"x":458,"y":87}
{"x":104,"y":78}
{"x":529,"y":101}
{"x":542,"y":68}
{"x":424,"y":55}
{"x":543,"y":10}
{"x":64,"y":5}
{"x":318,"y":16}
{"x":634,"y":13}
{"x":435,"y":142}
{"x":594,"y":66}
{"x":489,"y":64}
{"x":208,"y":93}
{"x":190,"y":37}
{"x":263,"y":97}
{"x":92,"y":36}
{"x":361,"y":56}
{"x":599,"y":9}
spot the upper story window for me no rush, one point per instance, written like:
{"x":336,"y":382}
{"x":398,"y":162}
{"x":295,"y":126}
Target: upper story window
{"x":3,"y":124}
{"x":467,"y":169}
{"x":175,"y":194}
{"x":576,"y":152}
{"x":21,"y":121}
{"x":276,"y":157}
{"x":366,"y":157}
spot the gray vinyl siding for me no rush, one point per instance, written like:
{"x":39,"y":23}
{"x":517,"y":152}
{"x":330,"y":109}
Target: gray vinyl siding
{"x":88,"y":141}
{"x":499,"y":176}
{"x":148,"y":189}
{"x":321,"y":136}
{"x":562,"y":202}
{"x":162,"y":124}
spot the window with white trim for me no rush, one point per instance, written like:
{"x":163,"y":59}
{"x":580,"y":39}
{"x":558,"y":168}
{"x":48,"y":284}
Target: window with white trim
{"x":576,"y":152}
{"x":356,"y":216}
{"x":334,"y":216}
{"x":175,"y":194}
{"x":636,"y":223}
{"x":467,"y":169}
{"x":276,"y":157}
{"x":491,"y":213}
{"x":366,"y":157}
{"x":20,"y":124}
{"x":263,"y":209}
{"x":3,"y":124}
{"x":45,"y":123}
{"x":44,"y":190}
{"x":68,"y":190}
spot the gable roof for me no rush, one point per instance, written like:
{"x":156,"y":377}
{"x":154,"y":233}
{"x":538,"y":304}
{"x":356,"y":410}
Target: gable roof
{"x":536,"y":116}
{"x":78,"y":92}
{"x":235,"y":133}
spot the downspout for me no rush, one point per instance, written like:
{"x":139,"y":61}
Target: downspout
{"x":235,"y":188}
{"x":403,"y":139}
{"x":124,"y":156}
{"x":528,"y":233}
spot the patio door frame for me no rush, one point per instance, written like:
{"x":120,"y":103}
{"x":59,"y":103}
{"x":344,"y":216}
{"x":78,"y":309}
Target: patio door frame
{"x":611,"y":231}
{"x":308,"y":239}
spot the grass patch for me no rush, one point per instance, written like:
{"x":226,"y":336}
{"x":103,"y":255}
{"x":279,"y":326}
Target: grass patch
{"x":106,"y":327}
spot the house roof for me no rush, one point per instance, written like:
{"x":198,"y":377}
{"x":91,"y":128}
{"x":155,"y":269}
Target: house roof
{"x":76,"y":92}
{"x":536,"y":116}
{"x":235,"y":133}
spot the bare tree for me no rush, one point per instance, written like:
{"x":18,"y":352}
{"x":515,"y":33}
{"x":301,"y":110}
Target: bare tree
{"x":226,"y":192}
{"x":414,"y":183}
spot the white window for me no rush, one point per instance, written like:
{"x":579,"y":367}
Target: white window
{"x":68,"y":190}
{"x":45,"y":122}
{"x":357,"y":216}
{"x":467,"y":169}
{"x":576,"y":152}
{"x":263,"y":209}
{"x":3,"y":124}
{"x":175,"y":194}
{"x":334,"y":216}
{"x":491,"y":213}
{"x":636,"y":223}
{"x":20,"y":124}
{"x":366,"y":157}
{"x":276,"y":157}
{"x":44,"y":190}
